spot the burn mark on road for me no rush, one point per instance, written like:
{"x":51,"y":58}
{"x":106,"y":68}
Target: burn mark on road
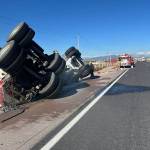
{"x":123,"y":88}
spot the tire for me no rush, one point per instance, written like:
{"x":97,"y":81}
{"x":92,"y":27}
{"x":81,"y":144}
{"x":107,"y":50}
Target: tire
{"x":18,"y":32}
{"x":55,"y":61}
{"x":9,"y":53}
{"x":56,"y":91}
{"x":72,"y":52}
{"x":61,"y":67}
{"x":84,"y":74}
{"x":50,"y":87}
{"x":69,"y":50}
{"x":27,"y":39}
{"x":84,"y":71}
{"x":16,"y":66}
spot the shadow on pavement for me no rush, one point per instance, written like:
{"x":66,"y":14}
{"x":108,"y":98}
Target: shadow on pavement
{"x":91,"y":78}
{"x":122,"y":88}
{"x":72,"y":89}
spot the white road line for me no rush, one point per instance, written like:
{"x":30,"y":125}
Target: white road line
{"x":64,"y":130}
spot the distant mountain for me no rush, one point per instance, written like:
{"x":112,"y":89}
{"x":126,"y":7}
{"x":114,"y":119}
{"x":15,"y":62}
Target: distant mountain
{"x":100,"y":58}
{"x":139,"y":56}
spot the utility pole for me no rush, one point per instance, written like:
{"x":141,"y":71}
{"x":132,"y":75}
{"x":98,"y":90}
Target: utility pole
{"x":110,"y":59}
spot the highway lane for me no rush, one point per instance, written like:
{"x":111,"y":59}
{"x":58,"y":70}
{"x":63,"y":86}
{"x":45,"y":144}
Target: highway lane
{"x":119,"y":121}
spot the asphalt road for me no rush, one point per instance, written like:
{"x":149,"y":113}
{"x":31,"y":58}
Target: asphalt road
{"x":119,"y":121}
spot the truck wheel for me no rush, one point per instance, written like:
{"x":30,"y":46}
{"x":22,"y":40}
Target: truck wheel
{"x":50,"y":87}
{"x":17,"y":64}
{"x":61,"y":67}
{"x":54,"y":62}
{"x":73,"y":53}
{"x":56,"y":91}
{"x":27,"y":39}
{"x":69,"y":50}
{"x":84,"y":71}
{"x":9,"y":53}
{"x":18,"y":32}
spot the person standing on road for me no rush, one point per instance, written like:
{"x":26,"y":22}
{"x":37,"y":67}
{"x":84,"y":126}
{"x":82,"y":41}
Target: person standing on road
{"x":92,"y":71}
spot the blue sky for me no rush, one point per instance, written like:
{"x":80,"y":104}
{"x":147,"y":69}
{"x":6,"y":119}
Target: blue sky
{"x":104,"y":26}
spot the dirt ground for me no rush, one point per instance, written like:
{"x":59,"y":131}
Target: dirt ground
{"x":41,"y":117}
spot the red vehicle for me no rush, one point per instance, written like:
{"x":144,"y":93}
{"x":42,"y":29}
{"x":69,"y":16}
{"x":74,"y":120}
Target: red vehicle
{"x":126,"y":61}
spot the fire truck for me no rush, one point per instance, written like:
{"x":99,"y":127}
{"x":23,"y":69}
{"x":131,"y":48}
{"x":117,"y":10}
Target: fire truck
{"x":126,"y":61}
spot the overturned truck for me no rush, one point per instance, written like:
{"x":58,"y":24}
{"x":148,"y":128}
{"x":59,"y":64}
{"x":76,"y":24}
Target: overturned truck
{"x":32,"y":74}
{"x":75,"y":62}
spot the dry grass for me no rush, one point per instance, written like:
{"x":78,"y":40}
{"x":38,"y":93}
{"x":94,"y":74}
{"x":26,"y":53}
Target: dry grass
{"x":101,"y":65}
